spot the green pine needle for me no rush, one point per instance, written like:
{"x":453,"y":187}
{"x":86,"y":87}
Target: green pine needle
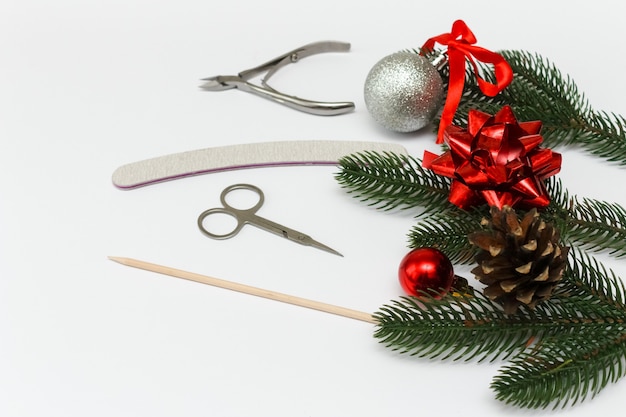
{"x":587,"y":223}
{"x":563,"y":371}
{"x":593,"y":281}
{"x":539,"y":91}
{"x":389,"y":181}
{"x":598,"y":225}
{"x":472,"y":327}
{"x":447,"y":231}
{"x":455,"y":327}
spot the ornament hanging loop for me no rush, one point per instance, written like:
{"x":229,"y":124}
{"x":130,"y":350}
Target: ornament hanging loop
{"x":441,"y":62}
{"x":460,"y":42}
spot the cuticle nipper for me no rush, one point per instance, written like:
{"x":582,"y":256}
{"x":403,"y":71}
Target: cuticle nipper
{"x":240,"y":81}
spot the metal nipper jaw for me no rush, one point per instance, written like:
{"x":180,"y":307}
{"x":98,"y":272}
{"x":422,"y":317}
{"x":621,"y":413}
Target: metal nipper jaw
{"x":240,"y":81}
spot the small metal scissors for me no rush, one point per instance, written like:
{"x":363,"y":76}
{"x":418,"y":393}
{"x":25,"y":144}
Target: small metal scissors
{"x":240,"y":81}
{"x":248,"y":216}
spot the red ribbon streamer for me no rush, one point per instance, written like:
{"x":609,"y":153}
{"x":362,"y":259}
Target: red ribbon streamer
{"x":460,"y":43}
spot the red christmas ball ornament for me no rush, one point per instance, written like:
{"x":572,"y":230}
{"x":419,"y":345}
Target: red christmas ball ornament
{"x":426,"y":271}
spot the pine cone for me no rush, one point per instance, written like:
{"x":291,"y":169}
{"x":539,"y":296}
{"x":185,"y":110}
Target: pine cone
{"x":520,"y":262}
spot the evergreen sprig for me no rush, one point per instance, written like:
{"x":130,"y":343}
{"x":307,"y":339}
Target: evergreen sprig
{"x":564,"y":350}
{"x":563,"y":371}
{"x":567,"y":367}
{"x":447,"y":231}
{"x":597,"y":225}
{"x":591,"y":224}
{"x":540,"y":91}
{"x":588,"y":278}
{"x":455,"y":327}
{"x":589,"y":304}
{"x":388,"y":181}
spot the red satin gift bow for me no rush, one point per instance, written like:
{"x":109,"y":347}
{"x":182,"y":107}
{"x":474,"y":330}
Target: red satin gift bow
{"x":461,"y":46}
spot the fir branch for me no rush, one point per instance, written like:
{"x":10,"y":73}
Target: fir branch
{"x":559,"y":195}
{"x":589,"y":224}
{"x":597,"y":225}
{"x":539,"y":91}
{"x":581,"y":336}
{"x":471,"y":325}
{"x":606,"y":136}
{"x":563,"y":371}
{"x":539,"y":78}
{"x":452,"y":328}
{"x":448,"y":232}
{"x":389,"y":181}
{"x":466,"y":326}
{"x":592,"y":281}
{"x":564,"y":350}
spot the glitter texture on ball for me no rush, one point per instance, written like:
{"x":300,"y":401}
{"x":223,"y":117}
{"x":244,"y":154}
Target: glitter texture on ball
{"x":403,"y":92}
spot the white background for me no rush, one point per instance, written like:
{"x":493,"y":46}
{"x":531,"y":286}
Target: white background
{"x":86,"y":86}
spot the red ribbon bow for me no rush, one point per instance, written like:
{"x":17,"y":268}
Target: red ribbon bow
{"x":497,"y":161}
{"x":460,"y":44}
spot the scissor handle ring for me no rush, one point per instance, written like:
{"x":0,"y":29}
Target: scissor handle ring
{"x":240,"y":215}
{"x":250,"y":187}
{"x":219,"y":210}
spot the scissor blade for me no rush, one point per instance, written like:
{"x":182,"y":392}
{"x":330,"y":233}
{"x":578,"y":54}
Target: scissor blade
{"x":287,"y":233}
{"x":308,"y":241}
{"x":321,"y":246}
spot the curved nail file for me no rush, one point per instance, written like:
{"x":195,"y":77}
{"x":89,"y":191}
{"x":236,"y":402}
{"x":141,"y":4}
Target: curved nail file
{"x":253,"y":155}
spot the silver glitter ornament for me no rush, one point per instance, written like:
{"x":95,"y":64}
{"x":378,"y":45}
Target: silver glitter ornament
{"x":403,"y":92}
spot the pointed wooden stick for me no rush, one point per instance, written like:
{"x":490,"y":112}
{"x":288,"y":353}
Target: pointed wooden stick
{"x":246,"y":289}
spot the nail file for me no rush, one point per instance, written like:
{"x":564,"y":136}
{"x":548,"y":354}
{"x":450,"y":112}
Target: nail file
{"x":252,"y":155}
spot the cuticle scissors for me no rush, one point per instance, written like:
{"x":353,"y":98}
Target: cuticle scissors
{"x":249,"y":216}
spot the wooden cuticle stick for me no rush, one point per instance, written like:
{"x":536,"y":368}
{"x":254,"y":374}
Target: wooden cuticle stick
{"x":246,"y":289}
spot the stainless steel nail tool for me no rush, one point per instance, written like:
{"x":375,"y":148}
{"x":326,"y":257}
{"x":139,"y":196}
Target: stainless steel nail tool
{"x":248,"y":216}
{"x":241,"y":80}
